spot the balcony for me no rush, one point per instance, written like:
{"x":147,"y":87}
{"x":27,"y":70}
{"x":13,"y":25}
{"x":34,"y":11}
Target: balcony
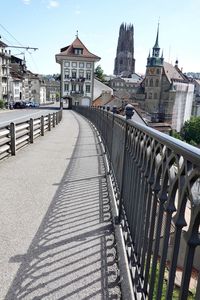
{"x":4,"y":75}
{"x":76,"y":93}
{"x":156,"y":184}
{"x":80,"y":79}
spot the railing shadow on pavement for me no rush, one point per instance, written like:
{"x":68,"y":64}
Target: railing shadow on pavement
{"x":157,"y":190}
{"x":73,"y":254}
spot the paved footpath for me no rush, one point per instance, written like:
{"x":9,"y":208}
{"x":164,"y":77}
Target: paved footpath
{"x":56,"y":235}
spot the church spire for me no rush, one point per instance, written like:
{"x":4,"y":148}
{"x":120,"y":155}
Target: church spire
{"x":156,"y":48}
{"x":157,"y":36}
{"x":156,"y":59}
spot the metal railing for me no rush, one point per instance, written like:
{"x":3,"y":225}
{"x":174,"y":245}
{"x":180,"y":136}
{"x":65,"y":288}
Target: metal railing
{"x":157,"y":187}
{"x":17,"y":135}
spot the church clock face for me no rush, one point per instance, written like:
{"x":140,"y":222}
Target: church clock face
{"x":151,"y":71}
{"x":156,"y":52}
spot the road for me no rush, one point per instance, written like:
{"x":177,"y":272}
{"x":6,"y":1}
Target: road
{"x":21,"y":115}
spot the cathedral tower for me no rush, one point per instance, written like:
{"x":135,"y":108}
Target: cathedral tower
{"x":124,"y":61}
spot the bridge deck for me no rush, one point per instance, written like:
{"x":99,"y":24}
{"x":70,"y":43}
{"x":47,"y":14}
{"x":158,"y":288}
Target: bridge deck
{"x":57,"y":239}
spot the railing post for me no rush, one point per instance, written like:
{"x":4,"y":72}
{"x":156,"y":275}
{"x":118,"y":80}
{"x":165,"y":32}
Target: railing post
{"x":60,"y":115}
{"x":31,"y":129}
{"x":42,"y":125}
{"x":57,"y":118}
{"x":114,"y":110}
{"x":12,"y":139}
{"x":122,"y":177}
{"x":129,"y":111}
{"x":49,"y":122}
{"x":54,"y":120}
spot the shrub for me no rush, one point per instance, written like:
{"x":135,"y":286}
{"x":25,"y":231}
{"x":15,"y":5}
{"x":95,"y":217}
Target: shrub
{"x":2,"y":104}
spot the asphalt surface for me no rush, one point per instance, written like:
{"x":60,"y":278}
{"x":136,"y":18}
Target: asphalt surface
{"x":56,"y":234}
{"x":21,"y":115}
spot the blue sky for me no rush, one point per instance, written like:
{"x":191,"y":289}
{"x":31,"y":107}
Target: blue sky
{"x":52,"y":24}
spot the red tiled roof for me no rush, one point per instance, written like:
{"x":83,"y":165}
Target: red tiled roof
{"x":69,"y":50}
{"x":173,"y":73}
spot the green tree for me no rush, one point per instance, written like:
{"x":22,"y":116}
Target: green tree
{"x":175,"y":134}
{"x":191,"y":131}
{"x":2,"y":104}
{"x":99,"y":73}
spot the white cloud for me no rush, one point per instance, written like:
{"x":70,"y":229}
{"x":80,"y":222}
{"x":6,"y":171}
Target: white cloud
{"x":53,"y":3}
{"x":27,"y":2}
{"x":77,"y":10}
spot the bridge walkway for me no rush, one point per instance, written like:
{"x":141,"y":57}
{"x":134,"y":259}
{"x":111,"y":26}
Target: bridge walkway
{"x":56,"y":230}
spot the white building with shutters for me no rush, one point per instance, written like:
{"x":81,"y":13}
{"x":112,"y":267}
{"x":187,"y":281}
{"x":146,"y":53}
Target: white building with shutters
{"x":77,"y":65}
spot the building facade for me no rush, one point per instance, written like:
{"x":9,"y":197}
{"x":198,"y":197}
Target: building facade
{"x":16,"y":82}
{"x":196,"y":103}
{"x":77,"y":73}
{"x":129,"y":84}
{"x":52,"y":90}
{"x":5,"y":79}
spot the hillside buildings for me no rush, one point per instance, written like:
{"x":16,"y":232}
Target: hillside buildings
{"x":77,"y":73}
{"x":164,"y":94}
{"x":19,"y":84}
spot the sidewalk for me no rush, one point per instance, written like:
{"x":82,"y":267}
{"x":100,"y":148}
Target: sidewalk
{"x":56,"y":234}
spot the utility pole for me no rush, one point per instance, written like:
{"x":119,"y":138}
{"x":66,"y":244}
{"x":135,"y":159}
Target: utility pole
{"x":8,"y":98}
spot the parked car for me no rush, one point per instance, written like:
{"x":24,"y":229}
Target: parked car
{"x":27,"y":104}
{"x":19,"y":104}
{"x":33,"y":104}
{"x":37,"y":104}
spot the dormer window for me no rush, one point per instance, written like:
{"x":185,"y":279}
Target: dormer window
{"x":78,"y":51}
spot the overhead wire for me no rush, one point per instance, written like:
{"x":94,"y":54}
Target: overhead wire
{"x":11,"y":35}
{"x":3,"y":27}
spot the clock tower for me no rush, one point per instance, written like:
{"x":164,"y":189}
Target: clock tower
{"x":153,"y":82}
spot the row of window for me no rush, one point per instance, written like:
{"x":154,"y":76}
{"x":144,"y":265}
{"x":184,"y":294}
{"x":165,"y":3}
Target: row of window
{"x":151,"y":82}
{"x":74,"y":73}
{"x":151,"y":95}
{"x":78,"y":51}
{"x":77,"y":88}
{"x":117,"y":84}
{"x":122,"y":84}
{"x":5,"y":61}
{"x":125,"y":89}
{"x":74,"y":64}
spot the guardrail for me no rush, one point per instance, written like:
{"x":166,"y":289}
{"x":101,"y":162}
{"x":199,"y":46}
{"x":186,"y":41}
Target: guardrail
{"x":157,"y":184}
{"x":16,"y":135}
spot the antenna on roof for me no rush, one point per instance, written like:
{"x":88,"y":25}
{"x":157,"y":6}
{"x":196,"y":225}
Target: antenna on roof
{"x":76,"y":33}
